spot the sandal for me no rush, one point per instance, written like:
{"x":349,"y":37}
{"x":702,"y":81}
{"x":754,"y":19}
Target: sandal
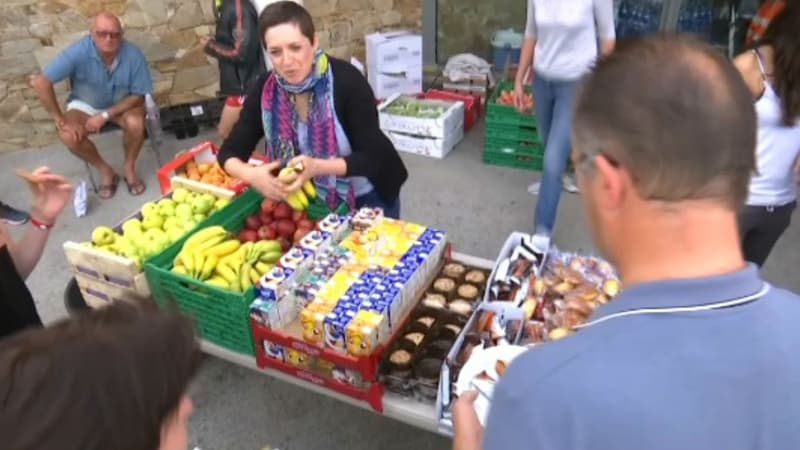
{"x":136,"y":188}
{"x":108,"y":189}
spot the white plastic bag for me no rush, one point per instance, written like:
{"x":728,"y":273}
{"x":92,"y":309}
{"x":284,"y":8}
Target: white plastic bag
{"x":81,"y":200}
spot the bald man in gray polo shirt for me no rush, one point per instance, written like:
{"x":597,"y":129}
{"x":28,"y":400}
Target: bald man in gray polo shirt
{"x":698,"y":352}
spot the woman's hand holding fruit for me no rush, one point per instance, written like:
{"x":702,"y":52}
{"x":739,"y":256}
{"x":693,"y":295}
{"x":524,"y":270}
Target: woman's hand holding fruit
{"x":261,"y":178}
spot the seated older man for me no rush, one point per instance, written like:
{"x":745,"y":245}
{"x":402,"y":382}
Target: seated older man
{"x":109,"y":79}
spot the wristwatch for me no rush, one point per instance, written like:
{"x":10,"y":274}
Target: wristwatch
{"x":105,"y":115}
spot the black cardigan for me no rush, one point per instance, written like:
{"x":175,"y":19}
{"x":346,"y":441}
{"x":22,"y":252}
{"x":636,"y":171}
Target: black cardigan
{"x":373,"y":154}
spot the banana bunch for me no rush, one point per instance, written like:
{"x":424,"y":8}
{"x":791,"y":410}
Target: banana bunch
{"x":211,"y":256}
{"x":298,"y":199}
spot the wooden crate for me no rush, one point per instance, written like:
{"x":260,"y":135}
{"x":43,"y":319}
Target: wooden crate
{"x":119,"y":271}
{"x":98,"y":294}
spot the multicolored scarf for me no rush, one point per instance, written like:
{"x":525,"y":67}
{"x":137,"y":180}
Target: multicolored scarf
{"x":280,"y":120}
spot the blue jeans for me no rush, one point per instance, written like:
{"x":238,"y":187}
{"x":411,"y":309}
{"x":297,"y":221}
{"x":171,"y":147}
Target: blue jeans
{"x":553,"y":104}
{"x":372,"y":199}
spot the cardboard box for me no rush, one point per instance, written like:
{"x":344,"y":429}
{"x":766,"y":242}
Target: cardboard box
{"x":437,"y":127}
{"x":426,"y":146}
{"x":394,"y":63}
{"x":385,"y":84}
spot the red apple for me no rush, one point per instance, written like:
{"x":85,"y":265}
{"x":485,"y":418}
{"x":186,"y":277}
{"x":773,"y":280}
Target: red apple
{"x":267,"y":233}
{"x":285,"y":244}
{"x":300,"y":233}
{"x":264,"y":218}
{"x":285,"y":228}
{"x":252,"y":222}
{"x":268,"y":205}
{"x":282,"y":211}
{"x":297,"y":216}
{"x":305,"y":223}
{"x":248,"y":235}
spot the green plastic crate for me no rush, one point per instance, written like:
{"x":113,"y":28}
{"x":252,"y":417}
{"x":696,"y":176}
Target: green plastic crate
{"x":222,"y":316}
{"x":526,"y":162}
{"x":494,"y":131}
{"x":512,"y":147}
{"x":507,"y":114}
{"x":318,"y":209}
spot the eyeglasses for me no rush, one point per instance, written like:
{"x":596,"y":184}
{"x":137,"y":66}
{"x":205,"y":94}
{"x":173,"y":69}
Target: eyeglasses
{"x":114,"y":35}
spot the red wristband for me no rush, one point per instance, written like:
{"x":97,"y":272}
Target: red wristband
{"x":40,"y":225}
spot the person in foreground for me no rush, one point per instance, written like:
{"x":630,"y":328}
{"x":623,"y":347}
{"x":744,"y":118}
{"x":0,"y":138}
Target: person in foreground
{"x":51,"y":193}
{"x":697,"y":352}
{"x":316,"y":111}
{"x":771,"y":71}
{"x":114,"y":378}
{"x":109,"y":78}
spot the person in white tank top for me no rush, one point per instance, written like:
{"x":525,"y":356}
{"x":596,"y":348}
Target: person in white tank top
{"x":772,"y":71}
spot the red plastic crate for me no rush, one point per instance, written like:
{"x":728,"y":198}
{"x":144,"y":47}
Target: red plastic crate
{"x":207,"y":151}
{"x":366,"y":366}
{"x":373,"y":395}
{"x":472,"y":104}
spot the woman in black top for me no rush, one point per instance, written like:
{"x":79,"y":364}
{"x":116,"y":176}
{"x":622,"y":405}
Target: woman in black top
{"x":318,"y":111}
{"x":17,"y":259}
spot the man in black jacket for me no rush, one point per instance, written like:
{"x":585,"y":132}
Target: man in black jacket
{"x":237,"y":47}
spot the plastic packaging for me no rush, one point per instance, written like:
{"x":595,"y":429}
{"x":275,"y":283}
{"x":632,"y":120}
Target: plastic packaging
{"x":153,"y":119}
{"x":80,"y":200}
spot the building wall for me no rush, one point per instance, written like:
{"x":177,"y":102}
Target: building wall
{"x":32,"y":32}
{"x":466,"y":26}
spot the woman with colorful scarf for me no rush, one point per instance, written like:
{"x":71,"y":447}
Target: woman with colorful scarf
{"x":314,"y":110}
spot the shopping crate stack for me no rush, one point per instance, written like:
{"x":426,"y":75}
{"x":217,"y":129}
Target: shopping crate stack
{"x":511,"y":137}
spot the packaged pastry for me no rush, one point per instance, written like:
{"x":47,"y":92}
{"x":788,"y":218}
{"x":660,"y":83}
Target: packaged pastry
{"x":444,"y":285}
{"x":414,"y":338}
{"x":453,"y":270}
{"x":400,"y":359}
{"x":476,"y":277}
{"x":425,"y":321}
{"x":436,"y":301}
{"x":460,"y":307}
{"x":467,"y":292}
{"x":450,"y":331}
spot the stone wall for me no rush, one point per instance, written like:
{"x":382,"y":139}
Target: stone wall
{"x":32,"y":32}
{"x":466,"y":26}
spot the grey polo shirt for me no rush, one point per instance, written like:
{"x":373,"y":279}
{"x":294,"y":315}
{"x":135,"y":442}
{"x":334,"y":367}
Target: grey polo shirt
{"x":724,"y":379}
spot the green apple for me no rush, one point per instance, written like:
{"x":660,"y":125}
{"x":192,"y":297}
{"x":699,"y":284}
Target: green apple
{"x":153,"y":221}
{"x":202,"y":205}
{"x":189,"y":225}
{"x":149,"y":209}
{"x":199,"y":217}
{"x":131,"y":226}
{"x":158,"y":236}
{"x":175,"y":234}
{"x":103,"y":236}
{"x":221,"y":203}
{"x":183,"y":211}
{"x":166,"y":207}
{"x":180,"y":194}
{"x":171,"y":222}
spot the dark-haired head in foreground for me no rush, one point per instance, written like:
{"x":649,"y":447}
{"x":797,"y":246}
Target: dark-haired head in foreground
{"x":664,"y":145}
{"x":112,"y":379}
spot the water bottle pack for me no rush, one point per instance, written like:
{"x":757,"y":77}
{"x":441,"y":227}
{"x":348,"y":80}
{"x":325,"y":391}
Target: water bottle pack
{"x":638,"y":17}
